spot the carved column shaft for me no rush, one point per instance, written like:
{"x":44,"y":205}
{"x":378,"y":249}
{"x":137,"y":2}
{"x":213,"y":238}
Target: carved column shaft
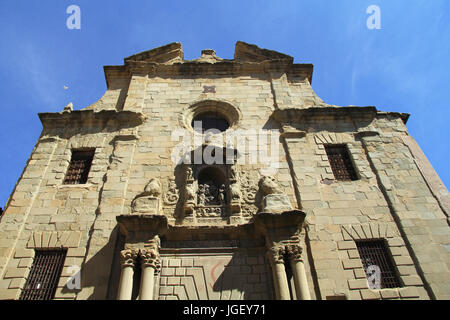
{"x":276,"y":257}
{"x":150,"y":266}
{"x":299,"y":272}
{"x":128,"y":258}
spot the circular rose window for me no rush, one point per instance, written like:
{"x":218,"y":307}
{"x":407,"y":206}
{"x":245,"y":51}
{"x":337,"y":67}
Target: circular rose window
{"x":211,"y":114}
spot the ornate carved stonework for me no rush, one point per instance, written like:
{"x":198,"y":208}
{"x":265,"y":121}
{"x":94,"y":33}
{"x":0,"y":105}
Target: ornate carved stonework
{"x":128,"y":257}
{"x":150,"y":258}
{"x":248,"y":189}
{"x":171,"y":195}
{"x":274,"y":200}
{"x":276,"y":253}
{"x":295,"y":252}
{"x":148,"y":202}
{"x":211,"y":211}
{"x":269,"y":185}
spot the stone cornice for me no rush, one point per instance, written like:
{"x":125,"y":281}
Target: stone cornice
{"x":193,"y":68}
{"x":168,"y":61}
{"x":90,"y":118}
{"x":295,"y":115}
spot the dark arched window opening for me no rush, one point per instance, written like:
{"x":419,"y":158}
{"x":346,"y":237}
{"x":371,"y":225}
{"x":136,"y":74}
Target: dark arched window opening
{"x":210,"y":120}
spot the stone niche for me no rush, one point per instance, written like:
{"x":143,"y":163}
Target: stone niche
{"x":211,"y":190}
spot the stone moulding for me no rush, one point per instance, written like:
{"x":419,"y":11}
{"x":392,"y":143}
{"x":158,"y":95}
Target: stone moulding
{"x":90,"y":118}
{"x":292,"y":115}
{"x":140,"y":228}
{"x":169,"y":60}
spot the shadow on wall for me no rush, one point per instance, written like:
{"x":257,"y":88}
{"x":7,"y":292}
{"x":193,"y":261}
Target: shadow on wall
{"x":100,"y":274}
{"x":240,"y":275}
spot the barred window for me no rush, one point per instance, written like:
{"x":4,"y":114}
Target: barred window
{"x":44,"y":275}
{"x":377,"y":263}
{"x":79,"y":167}
{"x":340,"y":162}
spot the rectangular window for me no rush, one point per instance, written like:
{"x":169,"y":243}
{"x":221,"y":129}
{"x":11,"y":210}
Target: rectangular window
{"x":44,"y":275}
{"x":79,"y":167}
{"x":377,"y":264}
{"x":340,"y":162}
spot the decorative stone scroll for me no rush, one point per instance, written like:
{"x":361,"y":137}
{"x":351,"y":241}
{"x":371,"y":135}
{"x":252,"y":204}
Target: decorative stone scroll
{"x":171,"y":194}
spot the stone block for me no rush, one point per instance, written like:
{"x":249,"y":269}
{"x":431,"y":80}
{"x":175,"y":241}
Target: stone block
{"x":389,"y":293}
{"x":276,"y":203}
{"x":367,"y":294}
{"x":358,"y":284}
{"x":352,"y":264}
{"x":408,"y":292}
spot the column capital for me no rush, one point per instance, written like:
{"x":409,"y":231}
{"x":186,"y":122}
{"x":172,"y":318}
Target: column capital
{"x":150,"y":258}
{"x":128,"y":257}
{"x":295,"y":252}
{"x":276,"y":254}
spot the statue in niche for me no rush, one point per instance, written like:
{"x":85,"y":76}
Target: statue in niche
{"x":202,"y":194}
{"x":208,"y":194}
{"x":190,"y":194}
{"x":233,"y":173}
{"x":189,"y":174}
{"x":149,"y":201}
{"x":222,"y":195}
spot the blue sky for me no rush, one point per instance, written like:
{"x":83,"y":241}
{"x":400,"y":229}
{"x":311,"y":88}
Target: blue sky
{"x":402,"y":67}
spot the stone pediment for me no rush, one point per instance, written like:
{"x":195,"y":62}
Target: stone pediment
{"x":165,"y":54}
{"x":252,"y":53}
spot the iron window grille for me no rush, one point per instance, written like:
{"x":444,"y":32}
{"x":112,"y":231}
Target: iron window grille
{"x":375,"y":253}
{"x":340,"y":162}
{"x":79,"y":167}
{"x":44,"y":275}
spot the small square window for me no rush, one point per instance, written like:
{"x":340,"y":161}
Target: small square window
{"x":44,"y":275}
{"x":79,"y":167}
{"x":340,"y":162}
{"x":377,"y":264}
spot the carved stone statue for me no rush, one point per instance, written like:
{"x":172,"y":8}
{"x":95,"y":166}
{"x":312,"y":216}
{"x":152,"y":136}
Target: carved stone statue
{"x":153,"y":188}
{"x":189,"y":174}
{"x":222,"y":191}
{"x":235,"y":192}
{"x":149,"y":201}
{"x":268,"y":186}
{"x":202,"y":190}
{"x":68,"y":108}
{"x":274,"y":200}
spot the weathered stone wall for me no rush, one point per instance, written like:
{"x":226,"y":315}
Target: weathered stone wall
{"x":131,"y":129}
{"x":216,"y":276}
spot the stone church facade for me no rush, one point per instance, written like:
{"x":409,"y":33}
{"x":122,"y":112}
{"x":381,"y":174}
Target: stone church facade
{"x":306,"y":200}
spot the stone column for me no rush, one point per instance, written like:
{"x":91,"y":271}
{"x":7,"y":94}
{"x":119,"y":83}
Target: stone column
{"x":128,"y":258}
{"x":276,"y":257}
{"x":150,"y":266}
{"x":299,"y":272}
